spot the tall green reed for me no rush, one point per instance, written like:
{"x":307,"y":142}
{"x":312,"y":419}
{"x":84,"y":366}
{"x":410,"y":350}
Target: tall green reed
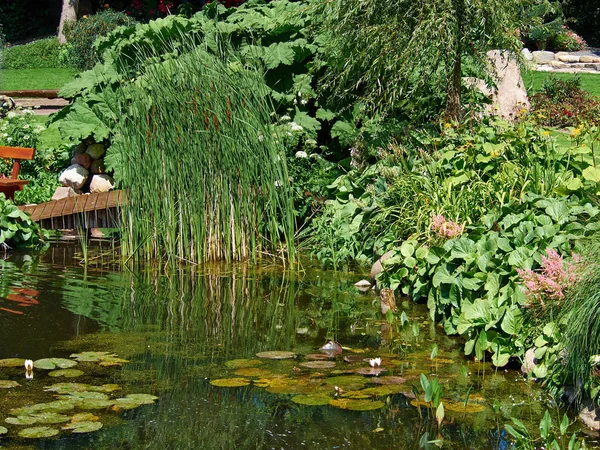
{"x":205,"y":174}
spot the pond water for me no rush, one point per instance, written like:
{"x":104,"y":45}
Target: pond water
{"x":181,"y":332}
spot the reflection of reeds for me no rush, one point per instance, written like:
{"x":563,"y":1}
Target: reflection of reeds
{"x":206,"y":176}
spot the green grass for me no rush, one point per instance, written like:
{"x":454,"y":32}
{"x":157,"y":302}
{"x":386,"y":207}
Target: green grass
{"x":16,"y":79}
{"x":534,"y":81}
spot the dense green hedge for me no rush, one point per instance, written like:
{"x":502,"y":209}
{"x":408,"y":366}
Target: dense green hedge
{"x":40,"y":54}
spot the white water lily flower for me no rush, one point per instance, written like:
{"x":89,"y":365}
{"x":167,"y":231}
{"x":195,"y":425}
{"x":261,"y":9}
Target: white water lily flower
{"x":29,"y":369}
{"x":375,"y":362}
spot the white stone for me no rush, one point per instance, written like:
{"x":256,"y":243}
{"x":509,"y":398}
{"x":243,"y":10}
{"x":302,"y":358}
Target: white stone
{"x":510,"y":95}
{"x":64,"y":192}
{"x":543,"y":57}
{"x":589,"y":416}
{"x":527,"y":54}
{"x":557,"y":64}
{"x":95,"y":151}
{"x":567,"y":58}
{"x":74,"y":176}
{"x":362,"y":283}
{"x":589,"y":59}
{"x":101,"y":183}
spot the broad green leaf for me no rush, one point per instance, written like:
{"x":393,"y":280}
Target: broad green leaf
{"x":591,"y":174}
{"x":512,"y":323}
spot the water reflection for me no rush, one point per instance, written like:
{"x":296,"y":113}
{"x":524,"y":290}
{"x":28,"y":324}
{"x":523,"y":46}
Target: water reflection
{"x":179,"y":330}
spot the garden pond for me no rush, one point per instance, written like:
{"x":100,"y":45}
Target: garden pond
{"x":198,"y":360}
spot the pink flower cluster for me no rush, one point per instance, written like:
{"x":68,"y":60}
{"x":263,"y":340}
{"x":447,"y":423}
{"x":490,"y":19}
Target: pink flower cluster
{"x":446,"y":228}
{"x":552,"y":279}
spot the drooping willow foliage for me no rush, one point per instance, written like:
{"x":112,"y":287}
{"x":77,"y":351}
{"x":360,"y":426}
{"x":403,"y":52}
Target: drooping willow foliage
{"x":205,"y":175}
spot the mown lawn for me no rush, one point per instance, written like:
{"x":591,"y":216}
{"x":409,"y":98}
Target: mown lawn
{"x":535,"y":80}
{"x":16,"y":79}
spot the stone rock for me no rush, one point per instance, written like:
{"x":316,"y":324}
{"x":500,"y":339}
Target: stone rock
{"x":378,"y":266}
{"x":101,"y":183}
{"x":557,"y":64}
{"x":64,"y":192}
{"x":79,"y":149}
{"x":96,"y":151}
{"x":589,"y":59}
{"x":567,"y":58}
{"x":543,"y":57}
{"x":83,"y":159}
{"x":529,"y":361}
{"x":97,"y":166}
{"x":74,"y":176}
{"x":589,"y":415}
{"x":362,"y":283}
{"x":510,"y":95}
{"x":527,"y":54}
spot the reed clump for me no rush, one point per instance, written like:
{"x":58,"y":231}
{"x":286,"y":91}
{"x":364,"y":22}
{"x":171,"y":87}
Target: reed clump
{"x":205,"y":173}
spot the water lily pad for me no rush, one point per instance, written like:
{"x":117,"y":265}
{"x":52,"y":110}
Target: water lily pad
{"x":110,"y":362}
{"x":143,"y":399}
{"x":351,"y":359}
{"x":356,"y":405}
{"x":370,"y":371}
{"x":106,"y":388}
{"x":389,"y":380}
{"x":230,"y":382}
{"x":346,"y":380}
{"x":12,"y":362}
{"x":67,"y":373}
{"x":92,"y":356}
{"x":3,"y":430}
{"x":377,"y":391}
{"x":38,"y":432}
{"x":252,"y":372}
{"x":84,"y":417}
{"x":77,"y":396}
{"x":68,"y":388}
{"x":95,"y":403}
{"x":83,"y":427}
{"x":312,"y":399}
{"x":317,"y":357}
{"x":53,"y":363}
{"x":458,"y":407}
{"x":7,"y":384}
{"x":243,"y":363}
{"x":21,"y":420}
{"x":56,"y":406}
{"x":276,"y":355}
{"x":318,"y":364}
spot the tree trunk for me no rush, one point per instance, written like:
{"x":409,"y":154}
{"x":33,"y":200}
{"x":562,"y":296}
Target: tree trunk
{"x":453,"y":102}
{"x":69,"y":12}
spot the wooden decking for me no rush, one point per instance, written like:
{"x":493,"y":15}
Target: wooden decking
{"x":83,"y":211}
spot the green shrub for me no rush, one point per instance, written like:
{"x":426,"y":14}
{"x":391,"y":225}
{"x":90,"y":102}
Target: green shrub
{"x":563,"y":103}
{"x":40,"y":54}
{"x":82,"y":33}
{"x":567,"y":40}
{"x":21,"y":130}
{"x":16,"y":227}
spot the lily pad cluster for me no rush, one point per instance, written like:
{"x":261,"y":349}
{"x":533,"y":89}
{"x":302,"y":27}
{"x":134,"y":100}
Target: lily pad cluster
{"x":353,"y":382}
{"x":70,"y":410}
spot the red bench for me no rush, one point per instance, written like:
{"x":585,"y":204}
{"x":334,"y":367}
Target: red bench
{"x":10,"y":185}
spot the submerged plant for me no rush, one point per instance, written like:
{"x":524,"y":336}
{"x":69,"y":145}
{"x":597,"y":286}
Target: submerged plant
{"x":206,"y":174}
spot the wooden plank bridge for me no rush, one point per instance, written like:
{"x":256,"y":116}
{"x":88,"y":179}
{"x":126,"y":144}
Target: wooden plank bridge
{"x":99,"y":210}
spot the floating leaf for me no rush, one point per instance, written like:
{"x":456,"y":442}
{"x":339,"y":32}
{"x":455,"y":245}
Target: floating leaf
{"x":77,"y":396}
{"x":317,"y":357}
{"x":49,"y":418}
{"x":53,"y":363}
{"x":94,"y":403}
{"x":7,"y":384}
{"x":21,"y":420}
{"x":350,"y":359}
{"x":370,"y":371}
{"x":12,"y":362}
{"x":84,"y":417}
{"x":83,"y":427}
{"x":110,"y":362}
{"x":230,"y":382}
{"x":243,"y":363}
{"x":356,"y":405}
{"x":312,"y":399}
{"x":144,"y":399}
{"x":57,"y":406}
{"x":276,"y":355}
{"x":68,"y":388}
{"x":346,"y":380}
{"x":3,"y":430}
{"x":389,"y":380}
{"x":67,"y":373}
{"x":106,"y":388}
{"x":92,"y":356}
{"x":318,"y":364}
{"x":38,"y":432}
{"x":252,"y":372}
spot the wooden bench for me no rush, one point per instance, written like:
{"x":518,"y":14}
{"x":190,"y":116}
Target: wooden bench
{"x":10,"y":185}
